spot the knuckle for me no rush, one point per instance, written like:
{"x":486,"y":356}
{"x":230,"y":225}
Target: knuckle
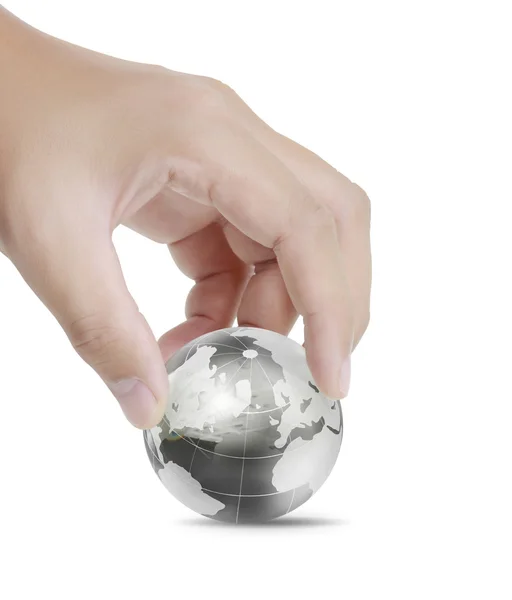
{"x":96,"y":340}
{"x":320,"y":217}
{"x":306,"y":216}
{"x":348,"y":201}
{"x":365,"y":321}
{"x":362,"y":202}
{"x":10,"y":210}
{"x":217,"y":85}
{"x":358,"y":206}
{"x":209,"y":96}
{"x":16,"y":227}
{"x":157,"y":69}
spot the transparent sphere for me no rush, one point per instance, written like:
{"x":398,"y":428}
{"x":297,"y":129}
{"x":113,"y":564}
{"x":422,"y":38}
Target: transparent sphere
{"x":246,"y":436}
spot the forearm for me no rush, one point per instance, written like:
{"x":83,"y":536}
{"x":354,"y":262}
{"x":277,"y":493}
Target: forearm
{"x":6,"y":21}
{"x":34,"y":67}
{"x":16,"y":38}
{"x":21,"y":49}
{"x":24,"y":71}
{"x":25,"y":53}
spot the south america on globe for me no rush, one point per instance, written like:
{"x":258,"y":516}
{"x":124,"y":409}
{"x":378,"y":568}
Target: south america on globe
{"x":246,"y":436}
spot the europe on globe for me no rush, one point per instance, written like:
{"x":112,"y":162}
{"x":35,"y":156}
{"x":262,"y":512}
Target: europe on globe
{"x":247,"y":436}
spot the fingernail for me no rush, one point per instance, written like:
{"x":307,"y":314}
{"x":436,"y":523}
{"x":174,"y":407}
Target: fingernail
{"x":345,"y":377}
{"x":136,"y":400}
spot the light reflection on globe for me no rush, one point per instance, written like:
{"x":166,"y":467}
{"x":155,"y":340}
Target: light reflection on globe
{"x":247,"y":436}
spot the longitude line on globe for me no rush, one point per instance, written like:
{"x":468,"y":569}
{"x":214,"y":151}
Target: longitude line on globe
{"x":239,"y":356}
{"x":196,"y":448}
{"x":245,"y":446}
{"x":272,"y":389}
{"x":193,"y":456}
{"x":189,"y":351}
{"x":233,"y":376}
{"x":238,"y":340}
{"x":291,"y":502}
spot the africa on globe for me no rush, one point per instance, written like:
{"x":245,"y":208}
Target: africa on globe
{"x":247,"y":436}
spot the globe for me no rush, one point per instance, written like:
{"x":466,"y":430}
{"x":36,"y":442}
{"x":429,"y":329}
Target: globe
{"x":247,"y":436}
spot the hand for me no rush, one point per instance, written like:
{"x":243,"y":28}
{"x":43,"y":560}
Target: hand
{"x":265,"y":228}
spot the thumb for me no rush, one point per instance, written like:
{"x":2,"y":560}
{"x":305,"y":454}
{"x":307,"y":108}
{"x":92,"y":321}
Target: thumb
{"x":79,"y":278}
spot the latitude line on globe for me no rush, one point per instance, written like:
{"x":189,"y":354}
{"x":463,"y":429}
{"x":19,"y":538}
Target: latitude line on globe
{"x":196,"y":447}
{"x":198,"y":341}
{"x":244,"y":495}
{"x":224,"y":345}
{"x":222,"y":493}
{"x":205,"y":335}
{"x":238,"y":457}
{"x":262,"y":412}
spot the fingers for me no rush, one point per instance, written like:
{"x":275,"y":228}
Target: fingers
{"x":265,"y":302}
{"x":266,"y":202}
{"x":220,"y":278}
{"x":76,"y":273}
{"x":310,"y":260}
{"x":352,"y":209}
{"x":349,"y":205}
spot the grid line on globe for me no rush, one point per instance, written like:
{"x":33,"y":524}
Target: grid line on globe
{"x":241,"y":443}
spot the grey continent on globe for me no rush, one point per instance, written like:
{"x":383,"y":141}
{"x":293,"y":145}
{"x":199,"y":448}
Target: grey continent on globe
{"x":247,"y":436}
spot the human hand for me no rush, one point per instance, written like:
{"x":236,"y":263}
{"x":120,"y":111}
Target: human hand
{"x":265,"y":228}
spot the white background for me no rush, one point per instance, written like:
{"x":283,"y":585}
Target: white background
{"x":411,"y":100}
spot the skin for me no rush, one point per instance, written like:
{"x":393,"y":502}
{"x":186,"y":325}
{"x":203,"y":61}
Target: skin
{"x":265,"y":228}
